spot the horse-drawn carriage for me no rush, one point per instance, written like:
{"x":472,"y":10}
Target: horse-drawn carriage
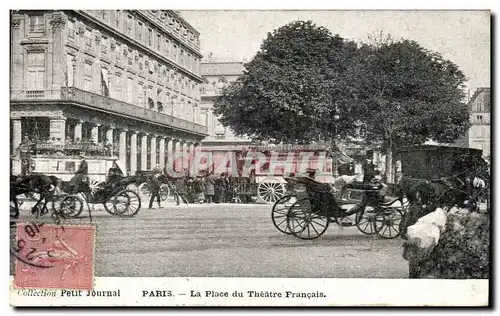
{"x":307,"y":212}
{"x":67,"y":198}
{"x":443,"y":176}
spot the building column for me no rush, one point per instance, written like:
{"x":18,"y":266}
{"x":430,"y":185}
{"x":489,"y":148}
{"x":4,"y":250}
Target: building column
{"x":58,"y":128}
{"x":144,"y":152}
{"x":185,"y":155}
{"x":122,"y":152}
{"x":191,"y":161}
{"x":16,"y":133}
{"x":109,"y":136}
{"x":133,"y":153}
{"x":16,"y":142}
{"x":153,"y":151}
{"x":170,"y":152}
{"x":78,"y":131}
{"x":94,"y":133}
{"x":162,"y":152}
{"x":177,"y":162}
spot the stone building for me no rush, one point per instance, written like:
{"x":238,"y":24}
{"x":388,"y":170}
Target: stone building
{"x":130,"y":78}
{"x":479,"y":134}
{"x":216,"y":75}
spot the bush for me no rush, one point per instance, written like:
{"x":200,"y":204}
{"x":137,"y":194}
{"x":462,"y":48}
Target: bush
{"x":461,"y":253}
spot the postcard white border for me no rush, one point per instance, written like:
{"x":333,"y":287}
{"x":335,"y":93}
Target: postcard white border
{"x":255,"y":292}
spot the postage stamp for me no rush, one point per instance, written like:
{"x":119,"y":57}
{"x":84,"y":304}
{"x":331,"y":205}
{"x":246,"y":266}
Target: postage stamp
{"x":54,"y":257}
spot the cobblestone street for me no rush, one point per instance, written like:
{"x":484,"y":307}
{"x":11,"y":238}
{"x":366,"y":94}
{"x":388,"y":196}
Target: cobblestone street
{"x":230,"y":240}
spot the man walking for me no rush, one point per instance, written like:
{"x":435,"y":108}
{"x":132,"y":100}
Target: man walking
{"x":154,"y":186}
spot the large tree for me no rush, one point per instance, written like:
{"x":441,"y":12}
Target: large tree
{"x":407,"y":95}
{"x":292,"y":88}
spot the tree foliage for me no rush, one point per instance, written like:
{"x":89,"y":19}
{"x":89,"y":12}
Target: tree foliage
{"x":292,"y":88}
{"x":303,"y":76}
{"x":408,"y":95}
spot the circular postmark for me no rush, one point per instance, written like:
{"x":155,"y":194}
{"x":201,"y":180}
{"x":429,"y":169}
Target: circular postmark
{"x":35,"y":242}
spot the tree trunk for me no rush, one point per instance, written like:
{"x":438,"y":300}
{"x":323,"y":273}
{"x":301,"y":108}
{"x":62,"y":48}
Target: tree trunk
{"x":389,"y":170}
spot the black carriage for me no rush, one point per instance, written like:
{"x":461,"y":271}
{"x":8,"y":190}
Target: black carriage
{"x":308,"y":211}
{"x":443,"y":176}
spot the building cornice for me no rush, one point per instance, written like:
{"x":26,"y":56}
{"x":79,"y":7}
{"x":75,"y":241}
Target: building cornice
{"x":161,"y":27}
{"x":132,"y":42}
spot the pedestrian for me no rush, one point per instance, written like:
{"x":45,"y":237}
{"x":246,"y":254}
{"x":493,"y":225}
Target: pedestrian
{"x":180,"y":187}
{"x":209,"y":188}
{"x":368,"y":171}
{"x":154,"y":185}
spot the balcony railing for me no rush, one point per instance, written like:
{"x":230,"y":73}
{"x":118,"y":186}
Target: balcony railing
{"x":116,"y":106}
{"x":35,"y":94}
{"x":105,"y":103}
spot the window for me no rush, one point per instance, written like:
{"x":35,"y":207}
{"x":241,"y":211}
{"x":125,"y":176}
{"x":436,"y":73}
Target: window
{"x":36,"y":70}
{"x":150,"y":37}
{"x":138,"y":34}
{"x":117,"y":93}
{"x":105,"y":15}
{"x":70,"y":72}
{"x":104,"y":46}
{"x":130,"y":90}
{"x":129,"y":25}
{"x":182,"y":58}
{"x":174,"y":53}
{"x":479,"y":106}
{"x":88,"y":39}
{"x":118,"y":16}
{"x":479,"y":118}
{"x":37,"y":24}
{"x":88,"y":77}
{"x":158,"y":42}
{"x":140,"y":95}
{"x":167,"y":48}
{"x":71,"y":29}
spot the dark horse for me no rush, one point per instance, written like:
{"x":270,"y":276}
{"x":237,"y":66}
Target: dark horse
{"x":33,"y":183}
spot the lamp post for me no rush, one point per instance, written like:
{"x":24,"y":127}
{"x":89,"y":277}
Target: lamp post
{"x":336,"y":118}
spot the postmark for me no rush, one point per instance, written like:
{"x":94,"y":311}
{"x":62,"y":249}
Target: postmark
{"x":54,"y":257}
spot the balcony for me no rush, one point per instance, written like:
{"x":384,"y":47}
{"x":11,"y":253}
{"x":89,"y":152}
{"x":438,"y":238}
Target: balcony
{"x":109,"y":105}
{"x":119,"y":107}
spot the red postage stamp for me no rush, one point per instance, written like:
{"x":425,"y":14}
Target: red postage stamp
{"x":54,"y":257}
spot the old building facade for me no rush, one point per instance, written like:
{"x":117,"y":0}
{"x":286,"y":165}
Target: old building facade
{"x":479,"y":134}
{"x":216,"y":75}
{"x":127,"y":78}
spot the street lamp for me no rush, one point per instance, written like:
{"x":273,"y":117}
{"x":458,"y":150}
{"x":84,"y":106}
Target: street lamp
{"x":336,"y":118}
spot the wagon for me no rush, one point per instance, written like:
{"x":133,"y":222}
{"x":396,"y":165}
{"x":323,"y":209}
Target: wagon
{"x":261,"y":170}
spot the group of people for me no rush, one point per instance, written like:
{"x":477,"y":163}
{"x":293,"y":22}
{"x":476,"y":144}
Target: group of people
{"x":203,"y":188}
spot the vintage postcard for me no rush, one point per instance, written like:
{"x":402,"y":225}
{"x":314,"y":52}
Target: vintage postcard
{"x":250,"y":158}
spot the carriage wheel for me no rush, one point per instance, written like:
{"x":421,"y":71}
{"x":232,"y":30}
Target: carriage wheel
{"x":366,"y":222}
{"x":126,"y":203}
{"x":305,"y":221}
{"x":388,"y":223}
{"x":143,"y":189}
{"x":164,"y":192}
{"x":270,"y":190}
{"x":280,"y":211}
{"x":71,"y":206}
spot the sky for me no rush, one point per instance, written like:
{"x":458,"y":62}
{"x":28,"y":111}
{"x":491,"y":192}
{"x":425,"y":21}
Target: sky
{"x":460,"y":36}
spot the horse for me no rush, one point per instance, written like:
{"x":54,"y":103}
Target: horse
{"x":33,"y":183}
